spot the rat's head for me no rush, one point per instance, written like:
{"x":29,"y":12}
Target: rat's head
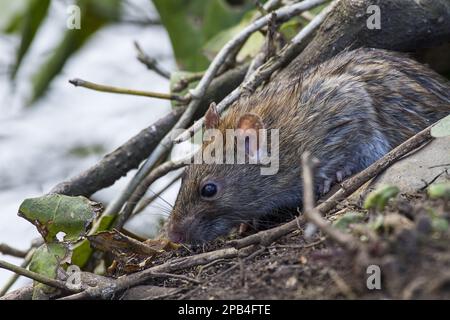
{"x":216,"y":197}
{"x":212,"y":200}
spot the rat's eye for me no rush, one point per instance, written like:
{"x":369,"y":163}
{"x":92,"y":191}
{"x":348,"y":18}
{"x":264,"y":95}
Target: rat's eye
{"x":209,"y":190}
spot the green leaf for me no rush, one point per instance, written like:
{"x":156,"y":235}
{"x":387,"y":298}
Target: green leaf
{"x":52,"y":214}
{"x":249,"y":49}
{"x":46,"y":260}
{"x":34,"y":16}
{"x":439,"y":190}
{"x":191,"y":23}
{"x":379,"y":198}
{"x":11,"y":14}
{"x":347,"y":219}
{"x":82,"y":251}
{"x":442,"y":128}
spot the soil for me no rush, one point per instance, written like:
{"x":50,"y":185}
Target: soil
{"x":408,"y":241}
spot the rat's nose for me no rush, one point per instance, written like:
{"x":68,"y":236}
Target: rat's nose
{"x":176,"y":235}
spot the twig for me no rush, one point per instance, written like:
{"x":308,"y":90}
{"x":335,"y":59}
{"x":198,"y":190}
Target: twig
{"x":263,"y":73}
{"x":233,"y":267}
{"x":299,"y":246}
{"x":206,"y":266}
{"x":35,"y":276}
{"x":267,"y":51}
{"x":150,"y":63}
{"x":266,"y":237}
{"x":184,"y":82}
{"x":176,"y":276}
{"x":109,"y":289}
{"x":16,"y":276}
{"x":10,"y":251}
{"x":111,"y":89}
{"x":341,"y":284}
{"x":313,"y":214}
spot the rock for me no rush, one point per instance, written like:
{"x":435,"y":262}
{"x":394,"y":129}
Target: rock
{"x":429,"y":164}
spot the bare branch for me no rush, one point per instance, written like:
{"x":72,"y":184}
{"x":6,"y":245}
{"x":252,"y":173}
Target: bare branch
{"x":35,"y":276}
{"x":111,"y":89}
{"x":8,"y":250}
{"x":151,"y":63}
{"x":16,"y":276}
{"x":313,"y":214}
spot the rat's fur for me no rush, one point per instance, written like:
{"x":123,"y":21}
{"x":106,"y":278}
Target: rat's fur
{"x":348,"y":112}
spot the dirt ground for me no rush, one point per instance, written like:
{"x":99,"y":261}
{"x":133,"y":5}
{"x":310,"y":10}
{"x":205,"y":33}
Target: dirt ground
{"x":408,"y":241}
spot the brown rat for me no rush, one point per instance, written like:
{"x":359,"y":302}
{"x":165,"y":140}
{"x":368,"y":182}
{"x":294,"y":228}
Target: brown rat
{"x":348,"y":112}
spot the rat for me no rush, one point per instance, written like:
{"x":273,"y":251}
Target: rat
{"x":347,"y":112}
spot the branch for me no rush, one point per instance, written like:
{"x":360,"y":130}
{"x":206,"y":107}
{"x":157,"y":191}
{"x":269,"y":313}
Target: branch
{"x":35,"y":276}
{"x":313,"y":215}
{"x":8,"y":250}
{"x":15,"y":276}
{"x":109,"y":289}
{"x":406,"y":25}
{"x":349,"y":186}
{"x":289,"y":52}
{"x":150,"y":63}
{"x":110,"y":89}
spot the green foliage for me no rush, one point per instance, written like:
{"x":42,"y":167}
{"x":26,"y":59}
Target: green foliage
{"x":442,"y":128}
{"x":348,"y":219}
{"x":379,"y":198}
{"x":191,"y":23}
{"x":26,"y":17}
{"x":35,"y":14}
{"x":46,"y":261}
{"x":439,"y":190}
{"x":11,"y":15}
{"x":82,"y":251}
{"x":56,"y":213}
{"x":94,"y":15}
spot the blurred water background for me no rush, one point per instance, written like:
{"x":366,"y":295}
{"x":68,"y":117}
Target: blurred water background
{"x":70,"y":129}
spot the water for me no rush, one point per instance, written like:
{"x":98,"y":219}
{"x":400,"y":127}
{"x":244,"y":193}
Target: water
{"x":40,"y":146}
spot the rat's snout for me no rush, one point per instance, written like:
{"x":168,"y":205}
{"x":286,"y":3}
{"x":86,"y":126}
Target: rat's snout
{"x":194,"y":229}
{"x":176,"y":235}
{"x":179,"y":230}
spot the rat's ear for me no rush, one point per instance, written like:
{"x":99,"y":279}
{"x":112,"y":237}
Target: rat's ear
{"x":212,"y":117}
{"x":250,"y":121}
{"x":249,"y":124}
